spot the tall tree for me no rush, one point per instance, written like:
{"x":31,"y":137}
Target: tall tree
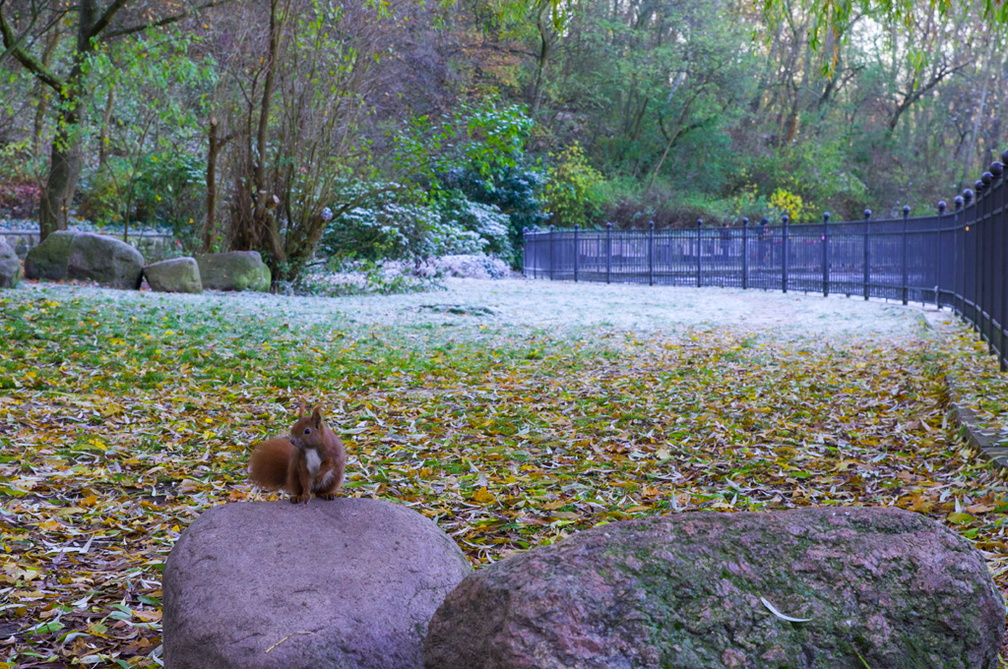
{"x":26,"y":27}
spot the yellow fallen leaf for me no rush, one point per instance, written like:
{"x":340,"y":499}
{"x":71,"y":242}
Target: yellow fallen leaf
{"x":483,"y":496}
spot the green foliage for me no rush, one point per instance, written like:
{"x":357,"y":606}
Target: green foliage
{"x":163,"y":190}
{"x":517,"y":191}
{"x":817,"y":175}
{"x":574,"y":193}
{"x":146,"y":107}
{"x":470,"y":167}
{"x":485,"y":138}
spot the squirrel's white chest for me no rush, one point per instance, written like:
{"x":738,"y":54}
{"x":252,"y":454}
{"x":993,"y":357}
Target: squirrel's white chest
{"x":313,"y":461}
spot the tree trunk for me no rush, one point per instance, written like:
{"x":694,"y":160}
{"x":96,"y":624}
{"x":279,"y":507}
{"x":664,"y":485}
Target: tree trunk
{"x":103,"y":132}
{"x":264,"y":212}
{"x":545,"y":48}
{"x":211,"y":187}
{"x":61,"y":184}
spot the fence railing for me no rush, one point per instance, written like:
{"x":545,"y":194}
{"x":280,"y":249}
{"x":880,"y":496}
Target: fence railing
{"x":153,"y":245}
{"x":954,"y":259}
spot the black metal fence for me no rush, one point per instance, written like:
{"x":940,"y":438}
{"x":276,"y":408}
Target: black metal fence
{"x":954,"y":259}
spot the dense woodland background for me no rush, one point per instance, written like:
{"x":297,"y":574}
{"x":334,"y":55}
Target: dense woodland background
{"x":377,"y":129}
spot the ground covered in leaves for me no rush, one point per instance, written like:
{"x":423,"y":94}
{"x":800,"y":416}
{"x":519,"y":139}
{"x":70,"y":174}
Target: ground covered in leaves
{"x":512,"y":413}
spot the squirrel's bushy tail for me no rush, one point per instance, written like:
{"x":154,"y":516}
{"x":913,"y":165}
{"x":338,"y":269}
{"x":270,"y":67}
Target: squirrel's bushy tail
{"x":268,"y":466}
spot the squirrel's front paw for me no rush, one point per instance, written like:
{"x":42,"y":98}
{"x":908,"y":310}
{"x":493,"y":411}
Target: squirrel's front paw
{"x":299,"y":499}
{"x":326,"y":495}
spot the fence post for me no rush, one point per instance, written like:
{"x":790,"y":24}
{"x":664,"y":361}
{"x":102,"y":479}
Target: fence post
{"x":998,"y":311}
{"x":745,"y":253}
{"x":699,"y":244}
{"x":825,"y":254}
{"x":650,"y":253}
{"x":978,"y":278}
{"x":785,"y":244}
{"x":967,"y":198}
{"x":988,"y":181}
{"x":525,"y":253}
{"x":956,"y":254}
{"x":608,"y":256}
{"x":552,"y":255}
{"x":867,"y":272}
{"x":903,"y":254}
{"x":576,"y":252}
{"x":938,"y":255}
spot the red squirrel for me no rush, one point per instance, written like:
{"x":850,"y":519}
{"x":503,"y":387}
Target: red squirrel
{"x":311,"y":459}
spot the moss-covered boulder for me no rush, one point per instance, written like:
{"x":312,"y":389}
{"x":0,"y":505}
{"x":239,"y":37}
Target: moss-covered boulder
{"x":234,"y":270}
{"x":10,"y":266}
{"x":105,"y":260}
{"x":809,"y":588}
{"x":85,"y":256}
{"x":176,"y":275}
{"x":48,"y":260}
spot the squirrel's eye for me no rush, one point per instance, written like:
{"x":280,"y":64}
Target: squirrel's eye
{"x":307,"y":430}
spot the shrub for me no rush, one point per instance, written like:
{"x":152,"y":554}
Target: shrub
{"x":574,"y":191}
{"x":485,"y":220}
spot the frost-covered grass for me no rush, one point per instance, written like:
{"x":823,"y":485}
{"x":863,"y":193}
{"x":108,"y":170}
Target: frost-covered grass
{"x":572,"y":308}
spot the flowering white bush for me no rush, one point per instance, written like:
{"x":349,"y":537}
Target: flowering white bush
{"x":450,"y":240}
{"x":398,"y":276}
{"x":473,"y":267}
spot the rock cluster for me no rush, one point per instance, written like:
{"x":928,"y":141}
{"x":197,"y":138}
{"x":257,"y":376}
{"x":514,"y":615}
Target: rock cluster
{"x":355,"y":583}
{"x":68,"y":255}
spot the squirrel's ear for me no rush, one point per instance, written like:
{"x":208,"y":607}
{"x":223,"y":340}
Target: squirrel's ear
{"x":316,"y":418}
{"x":302,"y":408}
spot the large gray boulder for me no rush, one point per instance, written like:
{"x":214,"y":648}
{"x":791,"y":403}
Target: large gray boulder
{"x":234,"y":270}
{"x":176,"y":275}
{"x":881,"y":588}
{"x":105,"y":260}
{"x":48,"y":260}
{"x":341,"y":583}
{"x":10,"y":266}
{"x":85,"y":256}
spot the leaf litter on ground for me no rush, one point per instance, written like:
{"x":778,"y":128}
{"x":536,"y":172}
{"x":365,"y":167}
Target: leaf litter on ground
{"x":538,"y":410}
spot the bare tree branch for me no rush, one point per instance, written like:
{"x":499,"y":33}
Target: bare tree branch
{"x":166,"y":21}
{"x":14,"y":46}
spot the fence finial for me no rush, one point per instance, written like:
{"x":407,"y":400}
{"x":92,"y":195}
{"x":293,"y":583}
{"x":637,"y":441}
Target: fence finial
{"x":867,"y":214}
{"x":942,"y":207}
{"x":906,"y":210}
{"x":997,"y":169}
{"x":967,"y":196}
{"x":958,"y":202}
